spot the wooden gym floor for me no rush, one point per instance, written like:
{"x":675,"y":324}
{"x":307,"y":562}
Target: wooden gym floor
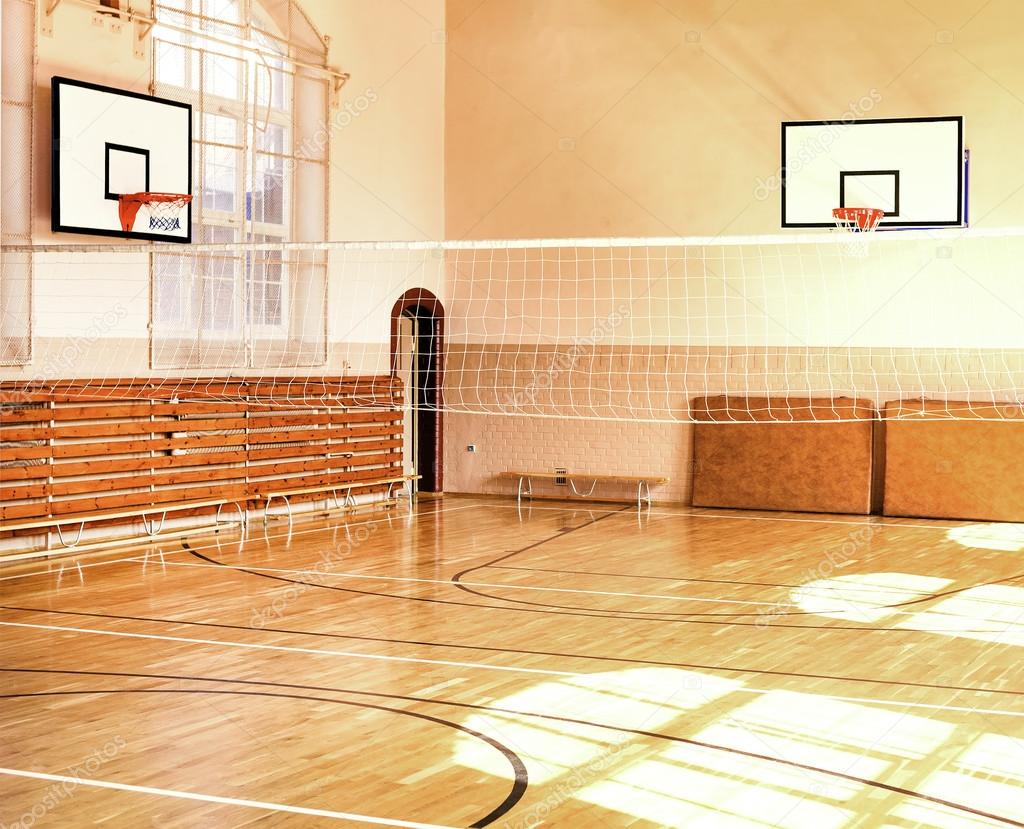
{"x":474,"y":664}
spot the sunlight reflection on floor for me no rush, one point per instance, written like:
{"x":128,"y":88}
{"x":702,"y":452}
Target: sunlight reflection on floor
{"x":654,"y":782}
{"x":1006,"y":537}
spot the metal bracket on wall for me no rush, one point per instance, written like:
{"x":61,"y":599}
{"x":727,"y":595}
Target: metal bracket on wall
{"x":337,"y":82}
{"x":46,"y":24}
{"x":140,"y":30}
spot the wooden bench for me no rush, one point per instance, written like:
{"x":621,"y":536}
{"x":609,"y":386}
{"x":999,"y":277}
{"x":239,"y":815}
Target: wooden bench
{"x":643,"y":483}
{"x":154,"y":529}
{"x":81,"y":452}
{"x":349,"y":501}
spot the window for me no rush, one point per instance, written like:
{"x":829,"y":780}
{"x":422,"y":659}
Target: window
{"x":243,"y":72}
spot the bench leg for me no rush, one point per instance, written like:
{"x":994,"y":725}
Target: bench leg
{"x":153,"y":529}
{"x":643,"y":494}
{"x":241,"y":515}
{"x":78,"y":538}
{"x":266,"y":509}
{"x":288,"y":507}
{"x":528,"y":492}
{"x":572,"y":484}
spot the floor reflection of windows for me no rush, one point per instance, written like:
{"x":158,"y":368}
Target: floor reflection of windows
{"x":1006,"y":537}
{"x":990,"y":613}
{"x":651,"y":781}
{"x":864,"y":597}
{"x":639,"y":698}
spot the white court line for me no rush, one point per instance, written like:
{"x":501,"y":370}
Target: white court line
{"x":229,"y":801}
{"x":286,"y":649}
{"x":657,"y":512}
{"x":510,"y":669}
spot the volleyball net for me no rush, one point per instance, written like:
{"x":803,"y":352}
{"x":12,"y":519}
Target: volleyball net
{"x":620,"y":329}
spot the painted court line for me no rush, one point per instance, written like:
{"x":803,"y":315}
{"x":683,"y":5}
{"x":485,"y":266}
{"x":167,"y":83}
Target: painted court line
{"x":287,"y":649}
{"x":229,"y":801}
{"x":476,"y":584}
{"x":857,"y":607}
{"x":506,"y":668}
{"x":654,"y":513}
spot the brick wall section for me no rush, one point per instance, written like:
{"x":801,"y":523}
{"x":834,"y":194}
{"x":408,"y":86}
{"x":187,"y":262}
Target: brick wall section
{"x":531,"y":443}
{"x":619,"y":388}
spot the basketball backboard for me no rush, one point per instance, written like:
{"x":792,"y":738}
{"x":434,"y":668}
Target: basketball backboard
{"x":912,"y":168}
{"x":110,"y":141}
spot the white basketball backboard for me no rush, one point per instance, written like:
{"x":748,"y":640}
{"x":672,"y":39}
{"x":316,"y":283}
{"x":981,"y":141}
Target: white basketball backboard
{"x":912,"y":168}
{"x":107,"y":142}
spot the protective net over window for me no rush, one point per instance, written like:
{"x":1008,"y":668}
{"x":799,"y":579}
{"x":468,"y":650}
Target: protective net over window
{"x":255,"y":74}
{"x":17,"y":55}
{"x":608,"y":330}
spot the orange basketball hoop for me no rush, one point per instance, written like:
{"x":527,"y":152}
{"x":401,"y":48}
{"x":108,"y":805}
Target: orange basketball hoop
{"x":858,"y":219}
{"x":165,"y":210}
{"x":859,"y":222}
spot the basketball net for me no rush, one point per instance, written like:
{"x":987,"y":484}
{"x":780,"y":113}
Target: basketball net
{"x":165,"y":210}
{"x":857,"y":223}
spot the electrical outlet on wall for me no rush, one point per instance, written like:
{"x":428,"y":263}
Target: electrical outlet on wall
{"x":560,"y":476}
{"x":471,"y":447}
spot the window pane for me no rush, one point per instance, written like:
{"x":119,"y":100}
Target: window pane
{"x":267,"y":204}
{"x":266,"y":269}
{"x":169,"y":287}
{"x":220,"y":130}
{"x":226,"y":16}
{"x":216,"y":287}
{"x":271,"y":140}
{"x":223,"y":76}
{"x":220,"y":178}
{"x":170,"y":64}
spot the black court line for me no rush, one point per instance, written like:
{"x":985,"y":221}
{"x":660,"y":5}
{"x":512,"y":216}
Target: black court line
{"x":691,"y":616}
{"x":595,"y":614}
{"x":657,"y":614}
{"x":552,"y":717}
{"x":520,"y":775}
{"x":526,"y":652}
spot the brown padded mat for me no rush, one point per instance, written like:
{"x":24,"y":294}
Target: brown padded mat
{"x":762,"y":463}
{"x":939,"y":466}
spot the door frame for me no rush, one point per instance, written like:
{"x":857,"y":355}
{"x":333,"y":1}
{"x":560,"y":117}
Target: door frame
{"x":427,"y":309}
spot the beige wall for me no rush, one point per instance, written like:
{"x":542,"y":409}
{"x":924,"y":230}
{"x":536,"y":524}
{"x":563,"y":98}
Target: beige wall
{"x":631,"y":118}
{"x":387,"y":163}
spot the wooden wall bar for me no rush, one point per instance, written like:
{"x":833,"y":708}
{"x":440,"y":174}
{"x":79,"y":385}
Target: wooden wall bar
{"x":80,"y":446}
